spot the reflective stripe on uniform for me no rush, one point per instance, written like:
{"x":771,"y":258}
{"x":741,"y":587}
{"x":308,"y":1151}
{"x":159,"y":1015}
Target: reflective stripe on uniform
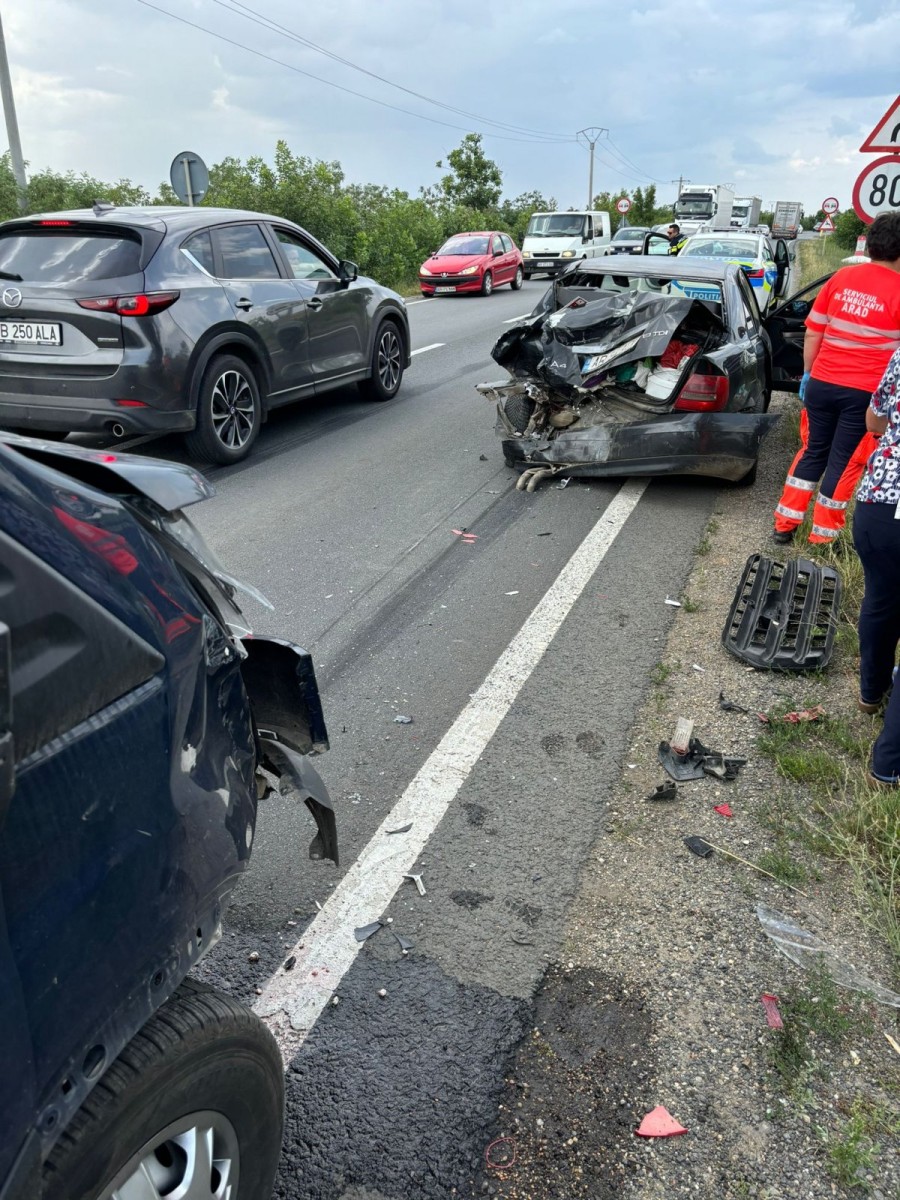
{"x":827,"y":502}
{"x":862,"y":331}
{"x":827,"y":535}
{"x":887,"y":346}
{"x":792,"y":514}
{"x":805,"y":485}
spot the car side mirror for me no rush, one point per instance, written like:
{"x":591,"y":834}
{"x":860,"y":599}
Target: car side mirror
{"x":498,"y":253}
{"x":347,"y":271}
{"x":800,"y":308}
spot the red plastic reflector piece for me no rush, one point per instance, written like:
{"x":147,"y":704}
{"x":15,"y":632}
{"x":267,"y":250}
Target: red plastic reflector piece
{"x":130,"y":403}
{"x":773,"y":1016}
{"x":724,"y":810}
{"x":760,"y":274}
{"x":659,"y":1123}
{"x":141,"y":305}
{"x":55,"y":224}
{"x":703,"y":393}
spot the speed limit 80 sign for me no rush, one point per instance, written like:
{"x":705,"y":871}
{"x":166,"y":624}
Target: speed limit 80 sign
{"x":877,"y":190}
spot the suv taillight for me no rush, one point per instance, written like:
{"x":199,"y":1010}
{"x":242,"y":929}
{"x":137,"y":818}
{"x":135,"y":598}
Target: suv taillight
{"x":759,"y":273}
{"x":143,"y":304}
{"x":703,"y":393}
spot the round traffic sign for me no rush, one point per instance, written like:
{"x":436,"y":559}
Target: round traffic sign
{"x":623,"y":205}
{"x":189,"y":177}
{"x":830,"y":206}
{"x":877,"y":190}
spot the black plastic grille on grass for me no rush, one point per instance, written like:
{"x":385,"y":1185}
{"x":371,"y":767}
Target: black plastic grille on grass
{"x":784,"y":616}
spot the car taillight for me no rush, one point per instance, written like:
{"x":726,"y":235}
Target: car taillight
{"x":142,"y":304}
{"x":54,"y":224}
{"x":760,"y":274}
{"x":703,"y":393}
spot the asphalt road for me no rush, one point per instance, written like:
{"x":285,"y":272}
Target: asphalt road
{"x":344,"y":516}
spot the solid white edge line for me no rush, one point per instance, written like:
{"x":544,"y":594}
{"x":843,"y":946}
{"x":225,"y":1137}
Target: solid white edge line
{"x":422,"y":349}
{"x":512,"y":320}
{"x":327,"y":948}
{"x":424,"y":300}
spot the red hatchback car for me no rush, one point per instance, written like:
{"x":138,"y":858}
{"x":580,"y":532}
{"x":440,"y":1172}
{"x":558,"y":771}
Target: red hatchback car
{"x":472,"y":262}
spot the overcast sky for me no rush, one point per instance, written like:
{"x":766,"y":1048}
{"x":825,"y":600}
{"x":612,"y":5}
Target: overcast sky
{"x":772,"y":96}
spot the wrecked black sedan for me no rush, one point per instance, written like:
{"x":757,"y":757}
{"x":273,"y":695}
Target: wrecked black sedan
{"x":647,"y":367}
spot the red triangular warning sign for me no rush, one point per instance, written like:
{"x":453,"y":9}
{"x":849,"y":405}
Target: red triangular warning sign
{"x":827,"y":226}
{"x":885,"y":137}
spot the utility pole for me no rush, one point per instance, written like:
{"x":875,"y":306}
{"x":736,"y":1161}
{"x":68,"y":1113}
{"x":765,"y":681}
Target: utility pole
{"x":589,"y":138}
{"x":681,"y":181}
{"x":12,"y":125}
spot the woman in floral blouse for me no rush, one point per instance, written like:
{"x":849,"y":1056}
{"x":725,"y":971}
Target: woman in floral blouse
{"x":876,"y":535}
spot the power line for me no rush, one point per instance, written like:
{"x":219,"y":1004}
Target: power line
{"x":624,"y":158}
{"x":258,"y":18}
{"x":319,"y":79}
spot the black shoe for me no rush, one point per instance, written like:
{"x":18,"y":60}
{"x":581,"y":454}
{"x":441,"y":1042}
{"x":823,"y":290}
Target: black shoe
{"x":783,"y":539}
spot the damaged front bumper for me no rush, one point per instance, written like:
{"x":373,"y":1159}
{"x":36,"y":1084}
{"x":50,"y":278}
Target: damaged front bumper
{"x":719,"y":445}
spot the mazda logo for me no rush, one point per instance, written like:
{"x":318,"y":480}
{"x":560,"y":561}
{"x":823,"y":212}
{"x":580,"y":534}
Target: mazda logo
{"x":12,"y":297}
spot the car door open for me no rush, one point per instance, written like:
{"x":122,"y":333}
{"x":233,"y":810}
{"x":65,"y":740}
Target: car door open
{"x":786,"y":328}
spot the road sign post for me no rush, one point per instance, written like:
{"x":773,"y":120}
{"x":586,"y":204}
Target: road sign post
{"x":877,"y":190}
{"x":189,"y":177}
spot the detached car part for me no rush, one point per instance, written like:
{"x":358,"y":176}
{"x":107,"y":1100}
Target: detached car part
{"x":784,"y":616}
{"x":139,"y":724}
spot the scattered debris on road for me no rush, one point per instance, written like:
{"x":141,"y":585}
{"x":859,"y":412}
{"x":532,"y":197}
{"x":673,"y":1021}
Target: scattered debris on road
{"x":500,"y":1155}
{"x":289,"y":962}
{"x":730,"y":706}
{"x":784,"y":616}
{"x":724,"y":810}
{"x":403,"y":829}
{"x":400,"y":719}
{"x":659,"y":1124}
{"x":698,"y":846}
{"x":773,"y":1016}
{"x":808,"y":951}
{"x":417,"y":880}
{"x":364,"y":932}
{"x":664,"y":791}
{"x":798,"y":717}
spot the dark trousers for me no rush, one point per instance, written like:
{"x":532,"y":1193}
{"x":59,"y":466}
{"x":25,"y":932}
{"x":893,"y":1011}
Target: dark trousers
{"x":876,"y":535}
{"x":837,"y":423}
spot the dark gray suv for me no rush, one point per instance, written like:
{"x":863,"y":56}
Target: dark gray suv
{"x":201,"y":320}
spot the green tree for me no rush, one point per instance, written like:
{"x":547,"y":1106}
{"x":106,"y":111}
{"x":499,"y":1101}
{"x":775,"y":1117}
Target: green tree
{"x":847,"y":228}
{"x":475,"y":179}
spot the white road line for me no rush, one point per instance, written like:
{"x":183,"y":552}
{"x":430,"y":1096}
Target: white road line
{"x":424,"y":300}
{"x":512,"y":320}
{"x":422,"y":349}
{"x":328,"y":948}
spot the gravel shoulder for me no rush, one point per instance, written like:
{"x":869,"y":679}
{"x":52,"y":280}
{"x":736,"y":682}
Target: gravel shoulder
{"x":656,"y":1000}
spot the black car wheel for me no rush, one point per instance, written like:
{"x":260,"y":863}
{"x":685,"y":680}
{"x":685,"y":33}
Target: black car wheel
{"x":487,"y":284}
{"x":193,"y":1107}
{"x":387,"y":364}
{"x":229,"y":413}
{"x":517,"y":281}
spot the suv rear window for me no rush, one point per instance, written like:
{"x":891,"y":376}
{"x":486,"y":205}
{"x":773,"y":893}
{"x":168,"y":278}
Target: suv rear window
{"x":71,"y":256}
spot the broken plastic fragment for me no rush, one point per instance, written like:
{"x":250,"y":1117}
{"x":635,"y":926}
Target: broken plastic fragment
{"x":723,"y":810}
{"x":798,"y":717}
{"x":697,"y":846}
{"x":702,"y":670}
{"x":417,"y":880}
{"x":402,"y":720}
{"x":773,"y":1016}
{"x":363,"y":932}
{"x":730,"y":706}
{"x":664,"y":791}
{"x":563,"y":483}
{"x":806,"y":950}
{"x":673,"y":603}
{"x":405,"y":944}
{"x":289,"y":962}
{"x":403,"y":829}
{"x":659,"y":1123}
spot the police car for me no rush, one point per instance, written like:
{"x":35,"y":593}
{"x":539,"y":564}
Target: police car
{"x":767,"y":265}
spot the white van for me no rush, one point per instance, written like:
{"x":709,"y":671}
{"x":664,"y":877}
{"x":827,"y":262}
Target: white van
{"x":554,"y":240}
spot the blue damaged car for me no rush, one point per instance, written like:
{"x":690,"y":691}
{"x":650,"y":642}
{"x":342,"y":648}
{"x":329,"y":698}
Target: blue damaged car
{"x":140,"y":725}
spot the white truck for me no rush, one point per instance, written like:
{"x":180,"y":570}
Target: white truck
{"x":745,"y":212}
{"x":703,"y":206}
{"x":554,"y":240}
{"x":786,"y":222}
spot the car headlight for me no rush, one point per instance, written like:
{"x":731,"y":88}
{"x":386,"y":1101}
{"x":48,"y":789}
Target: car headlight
{"x":526,"y":254}
{"x":424,"y":271}
{"x":567,"y":254}
{"x":470,"y":271}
